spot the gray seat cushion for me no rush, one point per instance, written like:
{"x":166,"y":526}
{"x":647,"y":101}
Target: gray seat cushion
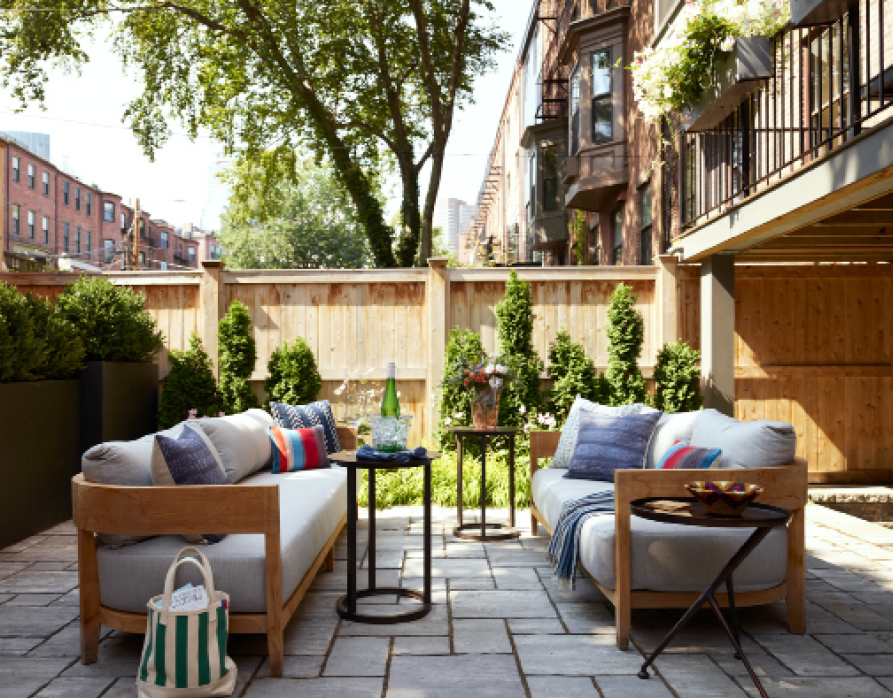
{"x":666,"y":557}
{"x":761,"y":444}
{"x":311,"y":504}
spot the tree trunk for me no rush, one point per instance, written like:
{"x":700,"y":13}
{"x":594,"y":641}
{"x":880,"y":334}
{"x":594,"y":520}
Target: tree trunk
{"x":408,"y":245}
{"x":430,"y":201}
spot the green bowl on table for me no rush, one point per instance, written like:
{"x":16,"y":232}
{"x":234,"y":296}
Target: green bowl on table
{"x":724,"y":498}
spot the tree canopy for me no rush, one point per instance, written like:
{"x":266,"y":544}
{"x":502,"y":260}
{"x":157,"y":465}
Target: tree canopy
{"x":367,"y":83}
{"x":307,"y":224}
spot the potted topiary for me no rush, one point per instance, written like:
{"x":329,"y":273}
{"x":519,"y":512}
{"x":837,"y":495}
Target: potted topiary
{"x":120,"y":383}
{"x":41,"y":355}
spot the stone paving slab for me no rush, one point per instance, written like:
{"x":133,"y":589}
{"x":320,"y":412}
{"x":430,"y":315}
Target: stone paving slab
{"x":500,"y":627}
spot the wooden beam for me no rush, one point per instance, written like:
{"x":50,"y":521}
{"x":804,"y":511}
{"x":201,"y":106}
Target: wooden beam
{"x":806,"y":256}
{"x":858,"y":217}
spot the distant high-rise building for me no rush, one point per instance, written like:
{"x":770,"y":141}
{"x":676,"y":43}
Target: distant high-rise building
{"x":452,"y":216}
{"x":37,"y":143}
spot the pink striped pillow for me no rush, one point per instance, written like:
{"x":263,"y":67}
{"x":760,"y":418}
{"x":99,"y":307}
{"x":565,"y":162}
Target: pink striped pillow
{"x":298,"y":449}
{"x":681,"y":456}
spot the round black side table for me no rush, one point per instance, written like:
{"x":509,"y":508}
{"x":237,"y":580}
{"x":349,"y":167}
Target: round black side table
{"x":760,"y":517}
{"x":347,"y":604}
{"x":485,"y":531}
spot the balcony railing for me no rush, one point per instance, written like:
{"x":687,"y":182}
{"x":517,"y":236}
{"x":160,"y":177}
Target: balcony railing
{"x":20,"y":262}
{"x":829,"y":83}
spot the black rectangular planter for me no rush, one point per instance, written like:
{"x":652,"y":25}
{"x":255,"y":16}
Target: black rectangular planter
{"x":737,"y":73}
{"x":40,"y":425}
{"x":119,"y":401}
{"x":807,"y":13}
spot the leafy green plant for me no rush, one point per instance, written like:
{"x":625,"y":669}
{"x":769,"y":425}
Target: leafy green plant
{"x":36,"y":341}
{"x":514,"y":314}
{"x":626,"y":333}
{"x":573,"y":374}
{"x":578,"y":228}
{"x":111,"y":320}
{"x":464,"y":349}
{"x":294,"y":378}
{"x":678,"y":378}
{"x":190,"y":385}
{"x":238,"y":354}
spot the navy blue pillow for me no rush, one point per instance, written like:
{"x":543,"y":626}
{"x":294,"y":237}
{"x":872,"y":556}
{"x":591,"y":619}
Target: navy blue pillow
{"x":606,"y":443}
{"x":191,"y":462}
{"x":307,"y":417}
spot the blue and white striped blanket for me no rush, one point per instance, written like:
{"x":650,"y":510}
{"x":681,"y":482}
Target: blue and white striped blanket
{"x":564,"y":548}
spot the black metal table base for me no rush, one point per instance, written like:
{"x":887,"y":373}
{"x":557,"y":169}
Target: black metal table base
{"x":472,"y":531}
{"x":724,"y":577}
{"x":390,"y":619}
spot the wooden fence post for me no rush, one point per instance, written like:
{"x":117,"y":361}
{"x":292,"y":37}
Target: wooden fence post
{"x":212,"y":299}
{"x":667,"y":300}
{"x":437,"y":300}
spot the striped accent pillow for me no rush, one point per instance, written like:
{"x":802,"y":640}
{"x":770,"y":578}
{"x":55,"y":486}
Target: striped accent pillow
{"x":684,"y":457}
{"x":298,"y":449}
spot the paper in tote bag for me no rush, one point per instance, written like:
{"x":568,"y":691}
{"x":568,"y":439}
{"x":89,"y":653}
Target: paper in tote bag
{"x":184,"y":654}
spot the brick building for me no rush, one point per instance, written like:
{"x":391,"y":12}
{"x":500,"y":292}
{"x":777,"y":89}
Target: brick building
{"x":52,"y":216}
{"x":569,"y":179}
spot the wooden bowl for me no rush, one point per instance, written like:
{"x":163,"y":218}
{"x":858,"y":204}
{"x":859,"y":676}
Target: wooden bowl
{"x":724,"y":498}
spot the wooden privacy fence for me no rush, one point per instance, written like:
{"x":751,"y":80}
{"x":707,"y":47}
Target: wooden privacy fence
{"x":812,"y":345}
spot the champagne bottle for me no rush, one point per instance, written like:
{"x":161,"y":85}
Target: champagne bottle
{"x":390,"y":405}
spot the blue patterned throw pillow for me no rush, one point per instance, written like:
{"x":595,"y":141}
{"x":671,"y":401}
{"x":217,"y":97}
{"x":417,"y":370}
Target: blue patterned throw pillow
{"x":187,"y":460}
{"x":568,"y":439}
{"x":606,"y":443}
{"x":306,"y":417}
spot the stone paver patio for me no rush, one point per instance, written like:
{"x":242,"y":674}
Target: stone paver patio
{"x":501,"y":628}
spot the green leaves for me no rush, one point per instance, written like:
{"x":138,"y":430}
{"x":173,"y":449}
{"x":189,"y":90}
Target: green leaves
{"x":678,"y":377}
{"x":464,"y":349}
{"x":573,"y":374}
{"x":626,"y":333}
{"x":190,"y":385}
{"x":302,"y":219}
{"x":238,"y":354}
{"x":111,"y":320}
{"x":514,"y":315}
{"x":294,"y":378}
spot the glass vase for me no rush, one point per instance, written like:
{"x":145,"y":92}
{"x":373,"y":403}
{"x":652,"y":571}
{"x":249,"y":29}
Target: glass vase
{"x":485,"y":408}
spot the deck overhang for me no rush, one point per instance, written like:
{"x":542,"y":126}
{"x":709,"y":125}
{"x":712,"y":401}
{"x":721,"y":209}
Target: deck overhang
{"x":820,"y":213}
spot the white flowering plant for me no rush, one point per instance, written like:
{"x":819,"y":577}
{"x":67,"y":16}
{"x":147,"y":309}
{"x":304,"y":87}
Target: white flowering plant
{"x":672,"y":77}
{"x":492,"y":373}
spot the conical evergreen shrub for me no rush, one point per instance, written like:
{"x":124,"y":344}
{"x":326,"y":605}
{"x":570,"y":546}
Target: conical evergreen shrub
{"x":678,"y":378}
{"x":573,"y":374}
{"x":190,"y":385}
{"x":626,"y":333}
{"x":294,"y":377}
{"x":238,"y":354}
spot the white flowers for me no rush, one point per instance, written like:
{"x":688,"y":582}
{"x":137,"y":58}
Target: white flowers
{"x":522,"y":409}
{"x":447,"y":421}
{"x":459,"y":415}
{"x":728,"y":43}
{"x":547,"y":420}
{"x":495,"y":382}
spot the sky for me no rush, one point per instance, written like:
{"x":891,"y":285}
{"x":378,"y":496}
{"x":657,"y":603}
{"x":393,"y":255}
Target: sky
{"x":83,"y":117}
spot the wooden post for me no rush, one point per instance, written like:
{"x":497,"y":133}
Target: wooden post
{"x":437,"y":300}
{"x":667,"y":299}
{"x":718,"y":333}
{"x":213,"y":298}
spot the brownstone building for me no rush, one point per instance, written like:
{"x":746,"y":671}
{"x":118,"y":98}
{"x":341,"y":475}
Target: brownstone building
{"x":57,"y":219}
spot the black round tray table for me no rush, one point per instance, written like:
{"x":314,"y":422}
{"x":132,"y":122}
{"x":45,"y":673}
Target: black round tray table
{"x":760,"y":517}
{"x":347,"y":604}
{"x":485,"y":531}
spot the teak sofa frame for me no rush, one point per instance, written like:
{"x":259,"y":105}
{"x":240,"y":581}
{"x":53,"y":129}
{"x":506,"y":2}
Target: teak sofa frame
{"x":180,"y":510}
{"x":785,"y":486}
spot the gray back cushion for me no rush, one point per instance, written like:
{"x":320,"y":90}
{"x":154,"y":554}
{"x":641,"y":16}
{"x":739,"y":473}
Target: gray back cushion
{"x":242,"y":442}
{"x":568,"y":440}
{"x":761,"y":444}
{"x":670,"y":429}
{"x":607,"y":443}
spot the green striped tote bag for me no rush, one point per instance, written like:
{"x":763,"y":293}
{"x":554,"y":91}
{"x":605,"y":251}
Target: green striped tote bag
{"x":184,"y":654}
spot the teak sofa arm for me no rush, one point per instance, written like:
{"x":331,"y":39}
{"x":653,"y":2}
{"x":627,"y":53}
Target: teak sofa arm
{"x":159,"y":511}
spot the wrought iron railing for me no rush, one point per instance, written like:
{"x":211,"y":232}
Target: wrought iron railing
{"x":829,"y":83}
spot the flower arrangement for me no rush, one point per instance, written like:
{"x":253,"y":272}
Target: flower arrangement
{"x":493,"y":374}
{"x":486,"y":379}
{"x":673,"y":76}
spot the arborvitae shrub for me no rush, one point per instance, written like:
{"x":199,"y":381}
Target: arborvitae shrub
{"x":678,"y":378}
{"x":190,"y":385}
{"x":238,"y":354}
{"x":463,"y":349}
{"x":514,"y":314}
{"x":294,"y":378}
{"x":626,"y":333}
{"x":573,"y":374}
{"x":112,"y":320}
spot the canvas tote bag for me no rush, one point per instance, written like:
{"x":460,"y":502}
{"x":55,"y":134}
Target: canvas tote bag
{"x":184,"y":654}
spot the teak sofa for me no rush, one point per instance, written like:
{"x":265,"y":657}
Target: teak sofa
{"x":785,"y":486}
{"x":168,"y":512}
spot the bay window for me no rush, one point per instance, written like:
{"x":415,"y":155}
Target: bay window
{"x":602,"y":107}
